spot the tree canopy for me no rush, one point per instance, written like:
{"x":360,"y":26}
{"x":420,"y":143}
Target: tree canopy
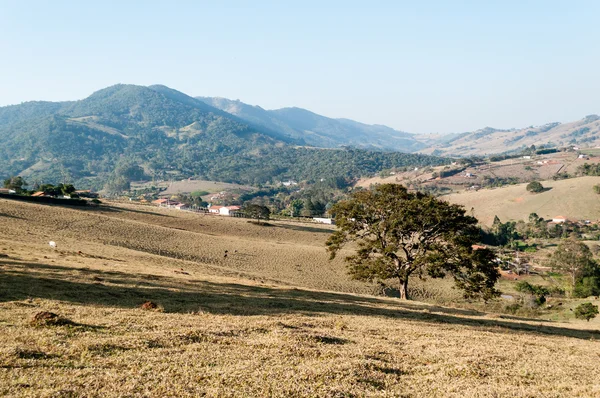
{"x":575,"y":259}
{"x":402,"y":234}
{"x":535,"y":187}
{"x":256,"y":211}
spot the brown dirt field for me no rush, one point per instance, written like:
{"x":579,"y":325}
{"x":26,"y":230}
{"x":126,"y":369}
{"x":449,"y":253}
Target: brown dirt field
{"x":234,"y":328}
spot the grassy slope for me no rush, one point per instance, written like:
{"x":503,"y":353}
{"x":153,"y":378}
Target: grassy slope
{"x":229,"y":328}
{"x":515,"y":203}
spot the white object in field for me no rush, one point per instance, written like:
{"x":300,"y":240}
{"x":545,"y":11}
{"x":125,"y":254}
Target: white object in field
{"x":52,"y":244}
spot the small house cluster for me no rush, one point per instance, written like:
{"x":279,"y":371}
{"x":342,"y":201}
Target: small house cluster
{"x":171,"y":204}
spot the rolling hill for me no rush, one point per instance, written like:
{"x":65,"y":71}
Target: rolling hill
{"x":170,"y":135}
{"x":487,"y":141}
{"x":573,"y":198}
{"x":317,"y":130}
{"x":274,"y":318}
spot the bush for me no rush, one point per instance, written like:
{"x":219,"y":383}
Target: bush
{"x":512,"y":308}
{"x":597,"y":189}
{"x":586,"y":311}
{"x":535,"y":187}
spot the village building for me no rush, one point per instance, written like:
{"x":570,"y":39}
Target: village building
{"x":559,"y":219}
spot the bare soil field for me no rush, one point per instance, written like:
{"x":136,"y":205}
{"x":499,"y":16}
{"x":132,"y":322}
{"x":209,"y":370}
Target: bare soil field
{"x":248,"y":324}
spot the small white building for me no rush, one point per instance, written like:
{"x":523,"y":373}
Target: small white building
{"x":228,"y":210}
{"x":559,"y":219}
{"x":323,"y":220}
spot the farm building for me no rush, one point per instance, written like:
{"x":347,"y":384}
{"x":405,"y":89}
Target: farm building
{"x":214,"y":209}
{"x":224,"y":210}
{"x":323,"y":220}
{"x":7,"y":191}
{"x":559,"y":219}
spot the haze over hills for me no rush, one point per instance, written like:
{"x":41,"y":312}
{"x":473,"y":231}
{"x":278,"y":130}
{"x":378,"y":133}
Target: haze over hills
{"x":584,"y":132}
{"x":170,"y":135}
{"x":317,"y":130}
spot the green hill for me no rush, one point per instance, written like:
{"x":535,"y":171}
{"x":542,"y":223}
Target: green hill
{"x":170,"y":135}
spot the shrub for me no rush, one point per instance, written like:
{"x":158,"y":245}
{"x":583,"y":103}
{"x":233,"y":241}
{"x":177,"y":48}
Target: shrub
{"x":597,"y":189}
{"x":512,"y":308}
{"x":586,"y":311}
{"x":535,"y":187}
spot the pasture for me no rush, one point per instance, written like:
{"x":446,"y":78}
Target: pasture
{"x":272,"y":318}
{"x":573,"y":198}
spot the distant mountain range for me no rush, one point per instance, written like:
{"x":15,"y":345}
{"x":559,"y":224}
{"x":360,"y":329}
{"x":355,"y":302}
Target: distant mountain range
{"x":488,"y":141}
{"x":304,"y":126}
{"x":162,"y":133}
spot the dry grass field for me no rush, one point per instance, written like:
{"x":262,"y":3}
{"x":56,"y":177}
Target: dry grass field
{"x":272,"y":318}
{"x":573,"y":198}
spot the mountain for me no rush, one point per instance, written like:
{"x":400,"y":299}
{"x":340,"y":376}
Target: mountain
{"x":126,"y":131}
{"x":487,"y":141}
{"x":319,"y":131}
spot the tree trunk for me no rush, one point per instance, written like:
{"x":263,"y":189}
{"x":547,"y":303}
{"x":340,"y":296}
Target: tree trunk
{"x":403,"y":287}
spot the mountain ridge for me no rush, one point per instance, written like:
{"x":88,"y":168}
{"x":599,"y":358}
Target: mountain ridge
{"x":318,"y":130}
{"x":169,"y":135}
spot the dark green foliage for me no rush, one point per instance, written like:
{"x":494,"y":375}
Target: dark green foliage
{"x":586,"y":311}
{"x":257,"y":212}
{"x":402,"y":234}
{"x":58,"y":190}
{"x":589,"y":169}
{"x":120,"y":134}
{"x":539,"y":292}
{"x":534,"y":187}
{"x":16,"y":183}
{"x":575,"y":259}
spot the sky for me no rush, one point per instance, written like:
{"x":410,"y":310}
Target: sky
{"x":418,"y":66}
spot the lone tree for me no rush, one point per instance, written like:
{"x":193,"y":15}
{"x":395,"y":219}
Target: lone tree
{"x":535,"y":187}
{"x":257,"y":212}
{"x":400,"y":234}
{"x":586,"y":311}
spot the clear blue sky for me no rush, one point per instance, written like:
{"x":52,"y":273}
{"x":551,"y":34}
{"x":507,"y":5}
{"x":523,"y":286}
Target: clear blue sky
{"x":419,"y":66}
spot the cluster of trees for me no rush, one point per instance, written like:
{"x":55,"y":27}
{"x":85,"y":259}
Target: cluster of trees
{"x":575,"y":259}
{"x":589,"y":169}
{"x":18,"y":184}
{"x":509,"y":232}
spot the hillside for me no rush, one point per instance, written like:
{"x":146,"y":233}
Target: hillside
{"x":273,"y":318}
{"x":167,"y":133}
{"x":573,"y":198}
{"x":488,"y":141}
{"x":317,"y":130}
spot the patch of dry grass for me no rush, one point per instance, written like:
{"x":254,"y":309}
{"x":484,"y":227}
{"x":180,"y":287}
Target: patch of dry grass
{"x":226,"y":329}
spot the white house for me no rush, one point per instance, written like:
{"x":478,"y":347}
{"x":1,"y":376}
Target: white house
{"x":324,"y":220}
{"x":228,"y":210}
{"x":214,"y":209}
{"x":559,"y":219}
